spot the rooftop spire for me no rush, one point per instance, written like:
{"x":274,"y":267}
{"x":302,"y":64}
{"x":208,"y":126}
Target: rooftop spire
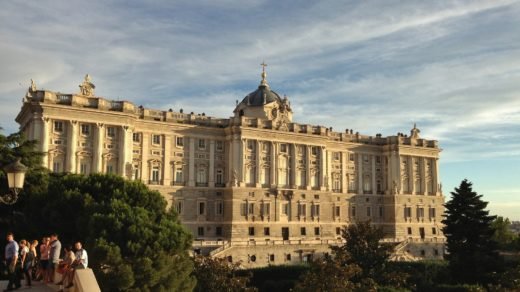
{"x":264,"y":75}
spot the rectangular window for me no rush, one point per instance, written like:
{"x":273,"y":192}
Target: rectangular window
{"x":200,"y":231}
{"x":179,"y":207}
{"x":314,"y":150}
{"x":58,"y":126}
{"x":251,"y":231}
{"x":179,"y":141}
{"x":111,"y":132}
{"x":267,"y":231}
{"x":409,"y":230}
{"x":353,"y":213}
{"x":285,"y":209}
{"x":336,"y":155}
{"x":420,"y":212}
{"x":219,"y":177}
{"x":338,"y":231}
{"x":219,"y":145}
{"x":432,"y":213}
{"x":351,"y":157}
{"x":202,"y":208}
{"x":251,"y":145}
{"x":407,"y":212}
{"x":243,"y":209}
{"x":266,"y":209}
{"x":381,"y":212}
{"x":110,"y":168}
{"x":85,"y":129}
{"x":155,"y":174}
{"x":303,"y":231}
{"x":251,"y":209}
{"x":283,"y":148}
{"x":56,"y":166}
{"x":316,"y":231}
{"x":302,"y":210}
{"x":178,"y":175}
{"x":434,"y":231}
{"x":136,"y":137}
{"x":219,"y":208}
{"x":156,"y":139}
{"x":369,"y":211}
{"x":218,"y":231}
{"x":315,"y":210}
{"x":83,"y":168}
{"x":202,"y":144}
{"x":337,"y":211}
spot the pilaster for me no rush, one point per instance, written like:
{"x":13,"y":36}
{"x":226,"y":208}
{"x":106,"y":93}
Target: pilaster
{"x":167,"y":169}
{"x":98,"y":148}
{"x":72,"y":142}
{"x":344,"y":184}
{"x":211,"y":171}
{"x":191,"y":163}
{"x":257,"y":164}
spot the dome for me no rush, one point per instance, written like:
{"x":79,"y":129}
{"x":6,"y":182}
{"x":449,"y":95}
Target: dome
{"x":263,"y":95}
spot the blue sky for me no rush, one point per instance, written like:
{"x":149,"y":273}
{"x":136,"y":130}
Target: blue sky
{"x":453,"y":67}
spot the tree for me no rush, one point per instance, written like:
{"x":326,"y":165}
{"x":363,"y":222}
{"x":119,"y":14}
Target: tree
{"x":365,"y":249}
{"x":360,"y":264}
{"x":330,"y":274}
{"x":134,"y":243}
{"x":217,"y":274}
{"x":472,"y":252}
{"x":502,"y":233}
{"x":15,"y":146}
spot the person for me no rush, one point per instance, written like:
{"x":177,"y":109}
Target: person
{"x":66,"y":265}
{"x":26,"y":261}
{"x":11,"y":261}
{"x":34,"y":258}
{"x":81,"y":262}
{"x":44,"y":259}
{"x":54,"y":256}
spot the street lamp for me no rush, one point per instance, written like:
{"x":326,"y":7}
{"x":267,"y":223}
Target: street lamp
{"x":15,"y":178}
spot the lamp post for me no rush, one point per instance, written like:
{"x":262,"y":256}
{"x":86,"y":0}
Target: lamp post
{"x":15,"y":178}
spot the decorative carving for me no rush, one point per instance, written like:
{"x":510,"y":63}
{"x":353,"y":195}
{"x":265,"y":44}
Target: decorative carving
{"x":414,"y":133}
{"x":395,"y":188}
{"x":235,"y":179}
{"x":87,"y":87}
{"x":129,"y":170}
{"x":33,"y":86}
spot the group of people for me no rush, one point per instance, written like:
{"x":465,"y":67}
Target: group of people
{"x":41,"y":262}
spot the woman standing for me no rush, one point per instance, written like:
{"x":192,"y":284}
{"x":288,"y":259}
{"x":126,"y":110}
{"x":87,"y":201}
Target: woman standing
{"x":34,"y":256}
{"x":25,"y":260}
{"x":44,"y":259}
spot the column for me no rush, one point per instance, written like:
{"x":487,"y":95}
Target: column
{"x":191,"y":163}
{"x":344,"y":183}
{"x":230,"y":150}
{"x":308,"y":166}
{"x":44,"y":142}
{"x":211,"y":171}
{"x":411,"y":178}
{"x":145,"y":173}
{"x":258,"y":164}
{"x":273,"y":164}
{"x":242,"y":170}
{"x":292,"y":173}
{"x":167,"y":169}
{"x":72,"y":143}
{"x":98,"y":149}
{"x":436,"y":176}
{"x":124,"y":146}
{"x":323,"y":167}
{"x":424,"y":190}
{"x":328,"y":182}
{"x":360,"y":173}
{"x":374,"y":185}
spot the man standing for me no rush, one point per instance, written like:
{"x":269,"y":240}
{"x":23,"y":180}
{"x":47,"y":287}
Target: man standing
{"x":11,"y":261}
{"x":54,"y":255}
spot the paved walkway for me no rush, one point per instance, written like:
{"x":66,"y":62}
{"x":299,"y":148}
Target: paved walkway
{"x":36,"y":287}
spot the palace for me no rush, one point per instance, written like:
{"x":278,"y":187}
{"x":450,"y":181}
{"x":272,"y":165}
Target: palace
{"x":256,"y":187}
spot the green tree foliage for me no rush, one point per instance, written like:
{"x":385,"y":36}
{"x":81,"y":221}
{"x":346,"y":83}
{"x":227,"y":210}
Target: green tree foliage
{"x":503,"y":234}
{"x":472,"y":252}
{"x":134,"y":244}
{"x":15,"y":146}
{"x":216,"y":275}
{"x":361,"y":264}
{"x":364,"y":248}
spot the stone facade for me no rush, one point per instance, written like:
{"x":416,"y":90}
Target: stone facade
{"x":255,"y":187}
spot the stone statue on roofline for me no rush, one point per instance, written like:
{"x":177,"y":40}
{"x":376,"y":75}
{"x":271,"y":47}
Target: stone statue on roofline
{"x":87,"y":88}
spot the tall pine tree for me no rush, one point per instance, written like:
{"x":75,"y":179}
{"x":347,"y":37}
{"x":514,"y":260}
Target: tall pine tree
{"x":472,"y":253}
